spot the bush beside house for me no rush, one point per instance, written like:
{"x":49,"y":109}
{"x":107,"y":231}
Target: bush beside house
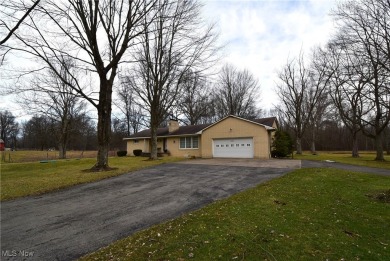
{"x":282,"y":145}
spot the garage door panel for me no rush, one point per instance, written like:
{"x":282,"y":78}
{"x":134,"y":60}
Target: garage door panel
{"x":233,"y":148}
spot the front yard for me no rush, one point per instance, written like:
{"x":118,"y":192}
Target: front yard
{"x":309,"y":214}
{"x":33,"y":178}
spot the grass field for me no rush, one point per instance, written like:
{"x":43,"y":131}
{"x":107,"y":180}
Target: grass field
{"x":310,"y":214}
{"x":33,"y":178}
{"x":365,"y":159}
{"x":37,"y":155}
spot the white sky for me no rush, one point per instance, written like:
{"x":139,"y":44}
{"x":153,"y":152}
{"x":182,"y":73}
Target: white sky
{"x":262,"y":34}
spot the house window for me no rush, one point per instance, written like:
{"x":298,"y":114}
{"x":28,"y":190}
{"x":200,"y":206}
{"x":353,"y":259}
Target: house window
{"x":182,"y":143}
{"x":195,"y":142}
{"x":136,"y":141}
{"x":189,"y":142}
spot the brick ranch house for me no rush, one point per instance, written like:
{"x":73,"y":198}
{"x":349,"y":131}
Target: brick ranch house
{"x":230,"y":137}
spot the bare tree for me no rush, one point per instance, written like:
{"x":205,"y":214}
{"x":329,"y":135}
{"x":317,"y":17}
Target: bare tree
{"x":363,"y":28}
{"x":299,"y":91}
{"x":236,"y":93}
{"x":175,"y":42}
{"x":195,"y":103}
{"x":387,"y":139}
{"x":133,"y":115}
{"x":373,"y":16}
{"x":38,"y":133}
{"x":317,"y":118}
{"x":15,"y":12}
{"x":346,"y":88}
{"x":119,"y":131}
{"x":53,"y":97}
{"x":97,"y":35}
{"x":9,"y":128}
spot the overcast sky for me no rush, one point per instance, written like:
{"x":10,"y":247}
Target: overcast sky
{"x":262,"y":34}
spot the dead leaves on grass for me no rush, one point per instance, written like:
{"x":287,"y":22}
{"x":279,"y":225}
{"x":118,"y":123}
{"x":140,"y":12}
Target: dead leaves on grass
{"x":382,"y":197}
{"x":279,"y":202}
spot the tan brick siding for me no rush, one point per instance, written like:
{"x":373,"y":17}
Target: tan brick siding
{"x":235,"y":128}
{"x":173,"y":146}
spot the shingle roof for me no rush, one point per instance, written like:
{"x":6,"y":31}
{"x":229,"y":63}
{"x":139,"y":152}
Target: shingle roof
{"x":190,"y":130}
{"x":147,"y":133}
{"x":266,"y":121}
{"x":183,"y":130}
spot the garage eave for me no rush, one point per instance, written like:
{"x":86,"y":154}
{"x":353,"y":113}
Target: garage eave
{"x":268,"y":128}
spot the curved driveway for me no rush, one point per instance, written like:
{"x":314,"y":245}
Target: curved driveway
{"x":67,"y":224}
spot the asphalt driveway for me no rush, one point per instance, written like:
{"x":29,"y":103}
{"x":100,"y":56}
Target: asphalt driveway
{"x":67,"y":224}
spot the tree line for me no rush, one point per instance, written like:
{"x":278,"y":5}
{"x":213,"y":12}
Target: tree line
{"x":346,"y":82}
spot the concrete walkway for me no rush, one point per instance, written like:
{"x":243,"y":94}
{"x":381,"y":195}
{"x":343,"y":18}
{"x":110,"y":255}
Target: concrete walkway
{"x":67,"y":224}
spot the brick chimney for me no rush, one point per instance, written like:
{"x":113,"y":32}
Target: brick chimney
{"x":173,"y":125}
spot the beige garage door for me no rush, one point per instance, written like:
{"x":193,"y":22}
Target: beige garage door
{"x":233,"y":148}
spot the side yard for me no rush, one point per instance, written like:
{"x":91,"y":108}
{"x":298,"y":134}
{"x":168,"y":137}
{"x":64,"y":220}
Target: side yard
{"x":365,"y":159}
{"x":309,"y":214}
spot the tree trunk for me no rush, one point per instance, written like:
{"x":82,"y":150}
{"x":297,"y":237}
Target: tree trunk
{"x":355,"y":146}
{"x":379,"y":147}
{"x":387,"y":140}
{"x":313,"y":143}
{"x":313,"y":148}
{"x":62,"y":151}
{"x":104,"y":126}
{"x":63,"y":139}
{"x":299,"y":145}
{"x":153,"y":138}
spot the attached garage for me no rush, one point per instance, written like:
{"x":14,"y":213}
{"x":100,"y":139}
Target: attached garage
{"x":234,"y":137}
{"x":233,"y":148}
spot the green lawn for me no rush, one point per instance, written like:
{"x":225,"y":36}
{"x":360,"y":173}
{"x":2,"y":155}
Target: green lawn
{"x":309,"y":214}
{"x":365,"y":159}
{"x":20,"y":156}
{"x":33,"y":178}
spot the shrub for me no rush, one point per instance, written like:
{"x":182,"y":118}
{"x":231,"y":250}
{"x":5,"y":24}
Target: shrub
{"x":282,"y":145}
{"x":137,"y":152}
{"x":121,"y":153}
